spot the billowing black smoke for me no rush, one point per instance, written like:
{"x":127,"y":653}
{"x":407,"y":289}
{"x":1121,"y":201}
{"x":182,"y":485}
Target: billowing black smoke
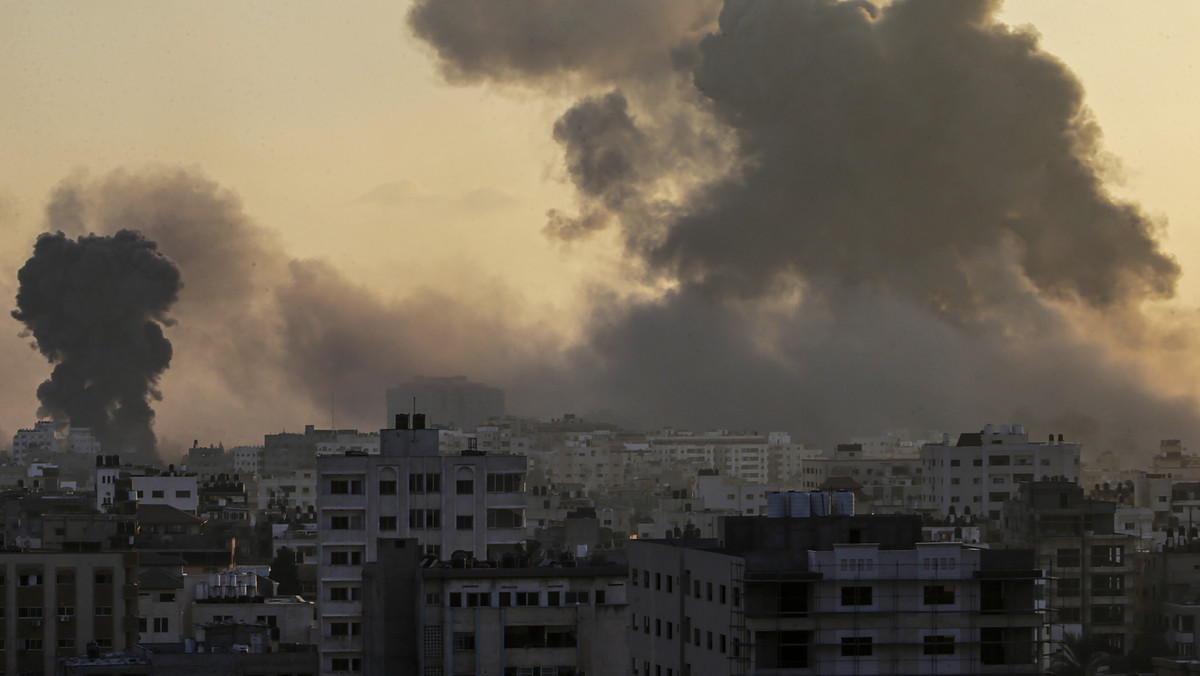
{"x":96,"y":307}
{"x":907,"y":224}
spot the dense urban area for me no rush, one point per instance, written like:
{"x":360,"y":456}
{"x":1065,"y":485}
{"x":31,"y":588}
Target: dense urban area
{"x":460,"y":540}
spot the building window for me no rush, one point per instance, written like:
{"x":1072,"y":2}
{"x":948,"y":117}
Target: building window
{"x":66,"y":643}
{"x":856,"y":646}
{"x":576,"y":597}
{"x":425,"y":518}
{"x":29,"y":644}
{"x":345,"y":558}
{"x":506,"y":518}
{"x":157,"y":494}
{"x":348,"y":522}
{"x":464,"y":641}
{"x":345,"y":487}
{"x":101,"y":611}
{"x":1108,"y":555}
{"x":525,"y":598}
{"x":464,"y":521}
{"x":161,"y":624}
{"x":464,"y":487}
{"x":507,"y":482}
{"x":1108,"y":585}
{"x":29,"y":580}
{"x":1108,"y":614}
{"x":939,"y":645}
{"x":346,"y":664}
{"x":65,"y":611}
{"x":65,"y":577}
{"x":1068,"y":587}
{"x":939,"y":594}
{"x":166,"y":597}
{"x":387,"y":523}
{"x":1068,"y":558}
{"x":387,"y":487}
{"x":424,"y":483}
{"x":856,"y":596}
{"x":29,"y":612}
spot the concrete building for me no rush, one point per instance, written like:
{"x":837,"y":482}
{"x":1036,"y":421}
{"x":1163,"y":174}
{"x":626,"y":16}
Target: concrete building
{"x":248,"y":460}
{"x":560,"y":619}
{"x":830,"y":595}
{"x":976,"y":475}
{"x":56,"y":603}
{"x":453,"y":401}
{"x":176,"y":490}
{"x":1090,"y":575}
{"x":469,"y":506}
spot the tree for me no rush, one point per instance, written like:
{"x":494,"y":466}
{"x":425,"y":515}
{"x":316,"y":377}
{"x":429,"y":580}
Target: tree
{"x":285,"y":573}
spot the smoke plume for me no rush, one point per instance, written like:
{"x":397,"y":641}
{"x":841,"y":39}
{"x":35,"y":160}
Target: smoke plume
{"x":265,"y":340}
{"x":96,"y":307}
{"x":905,"y":222}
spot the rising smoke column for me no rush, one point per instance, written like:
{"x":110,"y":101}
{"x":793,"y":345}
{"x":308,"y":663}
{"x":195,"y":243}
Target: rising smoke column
{"x":96,"y":307}
{"x":910,"y":227}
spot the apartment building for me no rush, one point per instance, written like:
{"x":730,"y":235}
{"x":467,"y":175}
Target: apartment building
{"x":741,"y":456}
{"x":561,"y":619}
{"x":1090,"y":572}
{"x":463,"y":507}
{"x":57,"y":603}
{"x":976,"y":475}
{"x":168,"y":488}
{"x":830,"y":595}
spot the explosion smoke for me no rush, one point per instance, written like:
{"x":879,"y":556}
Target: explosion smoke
{"x":910,"y":227}
{"x":96,"y":307}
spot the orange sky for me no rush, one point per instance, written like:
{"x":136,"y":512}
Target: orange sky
{"x":332,"y":126}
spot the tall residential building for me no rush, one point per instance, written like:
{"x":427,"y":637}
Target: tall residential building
{"x":976,"y":475}
{"x":463,"y":507}
{"x":455,"y":401}
{"x":1090,"y":576}
{"x":57,"y":603}
{"x":830,"y":595}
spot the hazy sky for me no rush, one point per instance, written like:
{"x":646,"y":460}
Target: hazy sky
{"x":331,"y":125}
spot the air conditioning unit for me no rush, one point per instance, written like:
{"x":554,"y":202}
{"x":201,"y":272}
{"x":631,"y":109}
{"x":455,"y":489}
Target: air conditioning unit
{"x":64,"y":618}
{"x":37,"y":623}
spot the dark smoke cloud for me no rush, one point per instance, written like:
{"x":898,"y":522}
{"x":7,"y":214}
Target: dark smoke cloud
{"x":909,"y":227}
{"x":264,"y":340}
{"x":96,"y":307}
{"x":546,"y":41}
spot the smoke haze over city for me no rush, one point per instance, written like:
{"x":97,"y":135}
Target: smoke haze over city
{"x":830,"y":218}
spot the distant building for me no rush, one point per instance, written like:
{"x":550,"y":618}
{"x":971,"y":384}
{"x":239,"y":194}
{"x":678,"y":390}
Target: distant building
{"x":975,"y":476}
{"x":451,"y":402}
{"x":42,"y":442}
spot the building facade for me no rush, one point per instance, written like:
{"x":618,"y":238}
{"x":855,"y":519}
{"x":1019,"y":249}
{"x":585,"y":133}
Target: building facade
{"x":464,"y":507}
{"x":975,"y":476}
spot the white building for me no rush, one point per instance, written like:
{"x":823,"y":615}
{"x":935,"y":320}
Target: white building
{"x":466,"y":506}
{"x":722,"y":493}
{"x":247,"y":460}
{"x":976,"y":475}
{"x":176,"y":490}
